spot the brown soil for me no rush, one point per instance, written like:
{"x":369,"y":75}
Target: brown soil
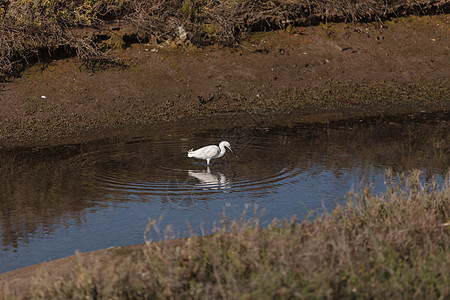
{"x":309,"y":74}
{"x":338,"y":67}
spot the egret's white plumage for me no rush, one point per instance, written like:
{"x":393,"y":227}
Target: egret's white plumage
{"x":209,"y":152}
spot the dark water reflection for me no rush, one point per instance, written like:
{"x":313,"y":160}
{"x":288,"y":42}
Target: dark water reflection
{"x":54,"y":201}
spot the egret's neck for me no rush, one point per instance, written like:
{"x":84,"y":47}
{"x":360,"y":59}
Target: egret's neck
{"x":222,"y":150}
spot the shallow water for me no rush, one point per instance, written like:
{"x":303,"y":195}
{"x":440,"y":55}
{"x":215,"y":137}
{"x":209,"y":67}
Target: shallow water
{"x":55,"y":201}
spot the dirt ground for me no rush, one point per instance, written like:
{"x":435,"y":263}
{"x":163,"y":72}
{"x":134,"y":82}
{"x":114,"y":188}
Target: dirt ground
{"x":369,"y":68}
{"x":307,"y":74}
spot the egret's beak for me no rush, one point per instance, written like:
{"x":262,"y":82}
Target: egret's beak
{"x":232,"y":151}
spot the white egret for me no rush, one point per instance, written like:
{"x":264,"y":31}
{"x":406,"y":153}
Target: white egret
{"x":209,"y":152}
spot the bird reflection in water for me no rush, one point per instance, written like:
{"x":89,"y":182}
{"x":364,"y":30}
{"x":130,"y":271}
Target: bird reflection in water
{"x":208,"y":180}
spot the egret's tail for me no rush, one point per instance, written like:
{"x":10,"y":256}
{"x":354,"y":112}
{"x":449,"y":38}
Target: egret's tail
{"x":191,"y":152}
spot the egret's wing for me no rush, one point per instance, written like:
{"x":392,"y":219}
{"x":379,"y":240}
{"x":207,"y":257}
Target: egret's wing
{"x":208,"y":151}
{"x":205,"y":152}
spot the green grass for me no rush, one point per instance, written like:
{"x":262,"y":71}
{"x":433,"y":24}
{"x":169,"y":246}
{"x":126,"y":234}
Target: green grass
{"x":392,"y":246}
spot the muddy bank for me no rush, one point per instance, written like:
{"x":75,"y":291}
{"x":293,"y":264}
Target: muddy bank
{"x":347,"y":69}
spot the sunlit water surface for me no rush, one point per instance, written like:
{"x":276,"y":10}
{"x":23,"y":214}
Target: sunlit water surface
{"x":102,"y":194}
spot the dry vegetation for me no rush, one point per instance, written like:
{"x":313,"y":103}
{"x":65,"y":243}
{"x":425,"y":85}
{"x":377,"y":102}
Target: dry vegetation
{"x":33,"y":30}
{"x":395,"y":246}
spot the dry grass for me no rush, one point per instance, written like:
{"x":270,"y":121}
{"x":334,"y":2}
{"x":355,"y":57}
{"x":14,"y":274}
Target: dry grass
{"x":32,"y":30}
{"x":395,"y":246}
{"x":225,"y":22}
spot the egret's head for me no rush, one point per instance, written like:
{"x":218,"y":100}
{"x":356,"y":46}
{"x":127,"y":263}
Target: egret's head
{"x":226,"y":144}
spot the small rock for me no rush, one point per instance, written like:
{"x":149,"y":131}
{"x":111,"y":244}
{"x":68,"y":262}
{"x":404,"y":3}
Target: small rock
{"x":262,"y":50}
{"x":182,"y":33}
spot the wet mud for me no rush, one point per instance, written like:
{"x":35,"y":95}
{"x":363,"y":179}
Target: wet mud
{"x":336,"y":69}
